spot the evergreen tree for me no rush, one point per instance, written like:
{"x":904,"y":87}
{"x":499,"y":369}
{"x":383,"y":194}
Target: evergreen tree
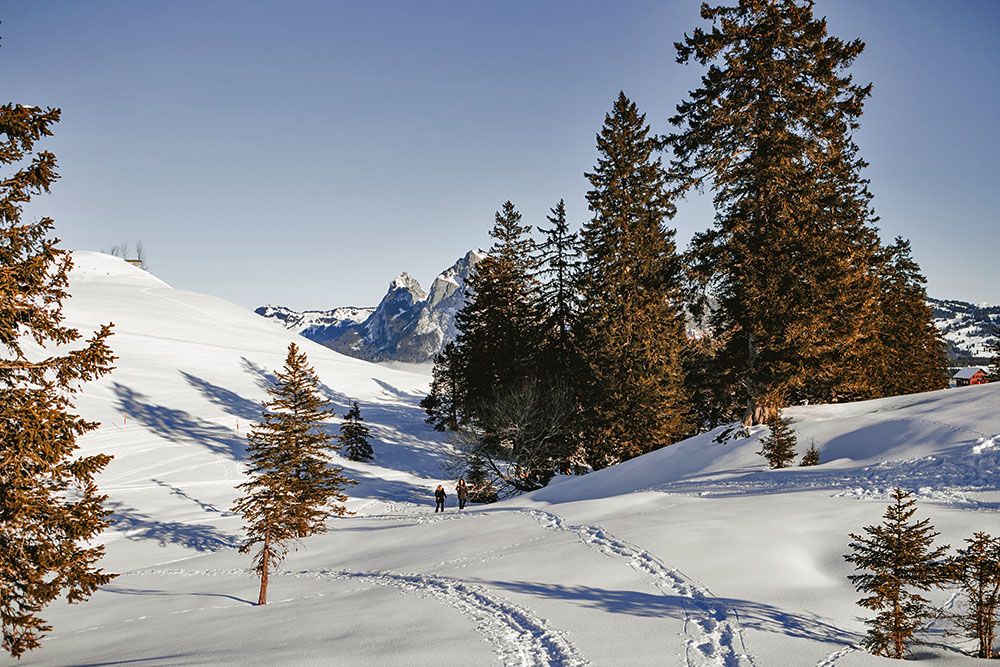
{"x":292,"y":487}
{"x":557,"y":263}
{"x":790,"y":260}
{"x":50,"y":507}
{"x":778,"y":446}
{"x":976,"y":569}
{"x":897,"y":560}
{"x":994,"y":371}
{"x":811,"y":457}
{"x":499,"y":326}
{"x":444,"y":404}
{"x":354,"y":435}
{"x":913,"y":358}
{"x":631,"y":328}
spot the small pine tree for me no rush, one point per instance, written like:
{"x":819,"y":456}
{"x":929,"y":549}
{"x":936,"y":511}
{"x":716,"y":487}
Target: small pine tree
{"x":778,"y":446}
{"x":811,"y":457}
{"x":50,"y":507}
{"x":976,"y":569}
{"x":897,"y":560}
{"x":292,"y":489}
{"x":354,"y":435}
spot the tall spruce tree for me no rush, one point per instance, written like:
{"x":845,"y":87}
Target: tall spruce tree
{"x":292,"y":487}
{"x":630,"y":329}
{"x":976,"y":570}
{"x":499,"y":326}
{"x":556,"y":265}
{"x":446,"y":402}
{"x":778,"y":446}
{"x":897,"y":561}
{"x":913,"y":358}
{"x":354,"y":435}
{"x":50,"y":507}
{"x":790,"y":258}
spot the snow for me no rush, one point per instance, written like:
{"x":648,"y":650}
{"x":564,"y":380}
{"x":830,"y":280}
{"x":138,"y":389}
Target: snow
{"x":693,"y":555}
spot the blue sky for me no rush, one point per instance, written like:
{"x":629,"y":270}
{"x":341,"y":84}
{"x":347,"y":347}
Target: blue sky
{"x":303,"y":153}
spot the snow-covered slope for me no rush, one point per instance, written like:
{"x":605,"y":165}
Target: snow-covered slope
{"x":692,"y":555}
{"x":408,"y":325}
{"x":970,"y":329}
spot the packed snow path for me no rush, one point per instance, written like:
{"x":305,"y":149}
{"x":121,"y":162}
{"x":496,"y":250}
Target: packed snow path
{"x":518,"y":636}
{"x":713,"y":637}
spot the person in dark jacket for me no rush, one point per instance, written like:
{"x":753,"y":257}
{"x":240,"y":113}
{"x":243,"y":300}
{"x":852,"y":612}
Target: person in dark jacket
{"x":439,"y":496}
{"x":462,"y":491}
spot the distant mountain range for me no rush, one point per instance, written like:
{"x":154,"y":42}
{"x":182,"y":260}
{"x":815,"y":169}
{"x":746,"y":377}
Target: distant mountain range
{"x":969,"y":329}
{"x":408,"y":325}
{"x":411,"y":325}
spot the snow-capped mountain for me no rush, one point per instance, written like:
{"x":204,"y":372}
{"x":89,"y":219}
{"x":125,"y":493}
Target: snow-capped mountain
{"x":970,"y":329}
{"x":318,"y":325}
{"x":408,"y":325}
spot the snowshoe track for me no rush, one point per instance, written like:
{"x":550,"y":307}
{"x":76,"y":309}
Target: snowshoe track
{"x":712,"y":636}
{"x":518,"y":636}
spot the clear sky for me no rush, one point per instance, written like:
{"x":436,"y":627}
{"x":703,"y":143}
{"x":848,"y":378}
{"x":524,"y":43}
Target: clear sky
{"x":304,"y":153}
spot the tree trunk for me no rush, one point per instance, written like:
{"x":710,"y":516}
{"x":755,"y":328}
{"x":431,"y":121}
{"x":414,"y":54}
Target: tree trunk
{"x":265,"y":565}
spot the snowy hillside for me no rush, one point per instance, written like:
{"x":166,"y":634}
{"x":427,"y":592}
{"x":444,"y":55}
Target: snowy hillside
{"x":970,"y":329}
{"x":692,"y":555}
{"x":408,"y":325}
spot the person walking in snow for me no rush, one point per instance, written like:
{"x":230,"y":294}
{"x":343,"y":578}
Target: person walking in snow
{"x":439,"y":496}
{"x":462,"y":491}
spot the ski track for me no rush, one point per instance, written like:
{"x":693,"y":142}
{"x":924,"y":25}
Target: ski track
{"x":713,"y":637}
{"x":518,"y":636}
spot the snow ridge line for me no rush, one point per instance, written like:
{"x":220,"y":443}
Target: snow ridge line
{"x":712,"y":643}
{"x":518,"y":636}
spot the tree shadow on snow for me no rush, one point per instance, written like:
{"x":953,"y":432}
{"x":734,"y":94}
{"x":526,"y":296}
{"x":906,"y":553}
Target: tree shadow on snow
{"x":750,"y":615}
{"x":226,"y":399}
{"x":172,"y":659}
{"x":136,"y":525}
{"x":123,"y":590}
{"x":180,"y":493}
{"x":179,"y":426}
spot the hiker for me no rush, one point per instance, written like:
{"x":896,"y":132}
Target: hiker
{"x":439,"y":496}
{"x":462,"y":491}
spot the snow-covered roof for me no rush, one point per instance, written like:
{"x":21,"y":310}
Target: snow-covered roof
{"x":967,"y":373}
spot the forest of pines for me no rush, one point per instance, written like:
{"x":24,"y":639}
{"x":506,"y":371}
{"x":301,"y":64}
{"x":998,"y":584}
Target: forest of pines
{"x":596,"y":343}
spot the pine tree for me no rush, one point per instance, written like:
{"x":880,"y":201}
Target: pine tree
{"x":557,"y":263}
{"x":50,"y":507}
{"x":354,"y":435}
{"x":778,"y":446}
{"x":446,"y":402}
{"x":292,"y":487}
{"x":499,"y":326}
{"x":791,"y":257}
{"x":913,"y":358}
{"x":811,"y":457}
{"x":897,"y":560}
{"x":976,"y":569}
{"x":630,"y":329}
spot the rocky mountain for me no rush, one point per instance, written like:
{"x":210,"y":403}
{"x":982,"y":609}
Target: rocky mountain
{"x":969,"y":329}
{"x":412,"y":325}
{"x":408,"y":325}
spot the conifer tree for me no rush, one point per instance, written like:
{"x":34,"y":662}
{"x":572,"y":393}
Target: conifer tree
{"x":791,"y":257}
{"x":913,"y":357}
{"x":630,"y":329}
{"x":556,"y":266}
{"x":50,"y":507}
{"x":811,"y":457}
{"x":976,"y":569}
{"x":778,"y":446}
{"x":446,"y":403}
{"x":354,"y":435}
{"x":897,"y":561}
{"x":292,"y":487}
{"x":499,"y":326}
